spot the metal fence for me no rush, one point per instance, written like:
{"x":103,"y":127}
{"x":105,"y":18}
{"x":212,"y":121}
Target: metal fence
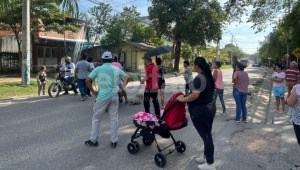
{"x":9,"y":63}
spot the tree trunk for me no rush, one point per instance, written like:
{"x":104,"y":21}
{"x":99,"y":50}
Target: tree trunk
{"x":177,"y":53}
{"x":17,"y":30}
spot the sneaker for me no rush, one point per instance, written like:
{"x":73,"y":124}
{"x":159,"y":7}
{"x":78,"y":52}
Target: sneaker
{"x":207,"y":166}
{"x":245,"y":121}
{"x":201,"y":160}
{"x":66,"y":93}
{"x":113,"y":144}
{"x":224,"y":112}
{"x":237,"y":121}
{"x":90,"y":143}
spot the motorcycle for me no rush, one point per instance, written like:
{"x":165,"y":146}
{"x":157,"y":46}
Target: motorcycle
{"x":59,"y":85}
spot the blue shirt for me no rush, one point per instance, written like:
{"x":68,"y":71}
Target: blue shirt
{"x":107,"y":77}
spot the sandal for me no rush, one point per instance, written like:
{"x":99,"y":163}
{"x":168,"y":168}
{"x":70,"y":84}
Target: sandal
{"x":281,"y":111}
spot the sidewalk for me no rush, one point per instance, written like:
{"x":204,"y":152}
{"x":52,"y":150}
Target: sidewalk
{"x":266,"y":142}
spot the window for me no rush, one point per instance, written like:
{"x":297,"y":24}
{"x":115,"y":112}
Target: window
{"x":40,"y":52}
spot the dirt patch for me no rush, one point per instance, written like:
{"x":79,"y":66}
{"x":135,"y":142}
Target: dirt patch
{"x":257,"y":142}
{"x":10,"y":79}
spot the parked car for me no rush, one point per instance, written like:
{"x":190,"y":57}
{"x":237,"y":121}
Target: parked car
{"x":245,"y":62}
{"x":256,"y":65}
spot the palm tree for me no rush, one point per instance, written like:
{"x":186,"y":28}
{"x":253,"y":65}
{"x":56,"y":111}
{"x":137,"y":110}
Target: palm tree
{"x":70,"y":6}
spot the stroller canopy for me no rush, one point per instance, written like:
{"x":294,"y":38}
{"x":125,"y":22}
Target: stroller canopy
{"x":175,"y":114}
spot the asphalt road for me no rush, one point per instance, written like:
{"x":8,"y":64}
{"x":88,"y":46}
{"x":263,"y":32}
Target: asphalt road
{"x":47,"y":133}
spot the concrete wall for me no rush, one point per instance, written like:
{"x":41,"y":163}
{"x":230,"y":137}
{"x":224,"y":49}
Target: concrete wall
{"x":8,"y":44}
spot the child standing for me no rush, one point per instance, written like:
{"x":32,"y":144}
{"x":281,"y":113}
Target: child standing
{"x":41,"y":80}
{"x":219,"y":89}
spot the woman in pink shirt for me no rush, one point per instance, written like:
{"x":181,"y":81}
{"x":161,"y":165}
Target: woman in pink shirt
{"x":219,"y":90}
{"x":240,"y":91}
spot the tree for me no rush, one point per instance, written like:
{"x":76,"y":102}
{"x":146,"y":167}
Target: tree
{"x":195,"y":22}
{"x":120,"y":28}
{"x":264,"y":11}
{"x":45,"y":10}
{"x":71,"y":6}
{"x":100,"y":20}
{"x":236,"y":51}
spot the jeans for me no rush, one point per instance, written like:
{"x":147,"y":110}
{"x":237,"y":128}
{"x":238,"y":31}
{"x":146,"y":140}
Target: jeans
{"x":297,"y":132}
{"x":240,"y":101}
{"x":219,"y":92}
{"x":71,"y":81}
{"x":82,"y":87}
{"x":151,"y":93}
{"x":202,"y":117}
{"x":88,"y":92}
{"x":187,"y":88}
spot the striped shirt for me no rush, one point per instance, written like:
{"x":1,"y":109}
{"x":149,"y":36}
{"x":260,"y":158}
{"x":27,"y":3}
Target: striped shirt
{"x":292,"y":75}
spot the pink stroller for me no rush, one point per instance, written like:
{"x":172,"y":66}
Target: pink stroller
{"x":148,"y":125}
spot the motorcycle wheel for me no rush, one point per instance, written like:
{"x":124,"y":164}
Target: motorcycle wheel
{"x":54,"y":90}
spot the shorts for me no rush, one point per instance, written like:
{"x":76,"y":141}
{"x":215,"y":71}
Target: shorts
{"x":161,"y":84}
{"x":279,"y":91}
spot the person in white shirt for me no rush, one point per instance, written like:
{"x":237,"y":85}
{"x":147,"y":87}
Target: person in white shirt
{"x":188,"y":76}
{"x":69,"y":69}
{"x":278,"y":87}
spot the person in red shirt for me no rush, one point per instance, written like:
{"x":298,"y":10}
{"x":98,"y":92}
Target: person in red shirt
{"x":292,"y":76}
{"x":151,"y":90}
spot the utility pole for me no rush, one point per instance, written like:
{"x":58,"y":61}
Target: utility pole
{"x":26,"y":53}
{"x":218,"y":51}
{"x":288,"y":38}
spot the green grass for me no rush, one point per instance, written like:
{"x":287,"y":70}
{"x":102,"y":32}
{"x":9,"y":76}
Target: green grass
{"x":16,"y":89}
{"x":226,"y":67}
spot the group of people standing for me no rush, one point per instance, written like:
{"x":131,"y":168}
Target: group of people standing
{"x":290,"y":79}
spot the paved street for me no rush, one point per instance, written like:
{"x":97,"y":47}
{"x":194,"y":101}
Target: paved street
{"x":46,"y":133}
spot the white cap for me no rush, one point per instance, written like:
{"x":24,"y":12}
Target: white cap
{"x":107,"y":55}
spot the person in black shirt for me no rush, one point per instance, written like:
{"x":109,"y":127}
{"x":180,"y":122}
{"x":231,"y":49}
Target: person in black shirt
{"x":161,"y":81}
{"x":202,"y":109}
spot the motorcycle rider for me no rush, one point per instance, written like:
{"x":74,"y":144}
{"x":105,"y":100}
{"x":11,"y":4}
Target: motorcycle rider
{"x":69,"y":68}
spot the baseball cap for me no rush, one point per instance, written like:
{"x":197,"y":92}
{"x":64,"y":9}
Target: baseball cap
{"x":107,"y":55}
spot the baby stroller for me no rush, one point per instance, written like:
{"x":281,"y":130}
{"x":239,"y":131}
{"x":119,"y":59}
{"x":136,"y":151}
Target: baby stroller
{"x":148,"y":125}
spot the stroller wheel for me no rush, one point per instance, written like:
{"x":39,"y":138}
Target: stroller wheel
{"x":137,"y":146}
{"x":160,"y":160}
{"x":131,"y":147}
{"x":180,"y":146}
{"x":147,"y":142}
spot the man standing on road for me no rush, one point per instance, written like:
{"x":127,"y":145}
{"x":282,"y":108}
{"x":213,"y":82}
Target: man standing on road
{"x":151,"y":90}
{"x":234,"y":61}
{"x":69,"y":68}
{"x":107,"y":98}
{"x":82,"y":68}
{"x":292,"y":77}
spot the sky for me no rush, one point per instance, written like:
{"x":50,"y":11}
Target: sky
{"x":241,"y":33}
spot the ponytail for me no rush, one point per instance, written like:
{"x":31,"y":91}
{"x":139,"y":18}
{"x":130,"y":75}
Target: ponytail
{"x":200,"y":62}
